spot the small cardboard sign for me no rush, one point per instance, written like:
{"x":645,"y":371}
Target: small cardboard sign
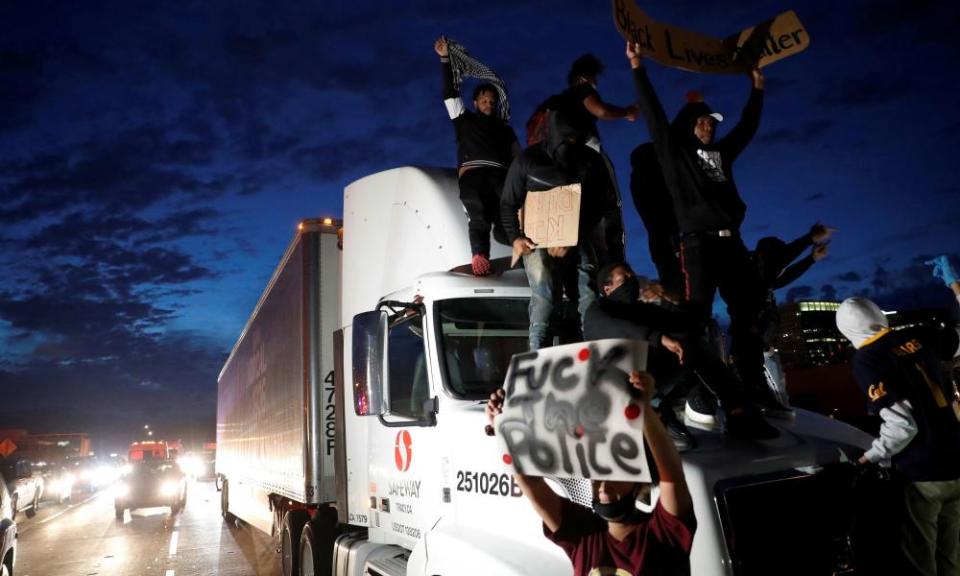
{"x":763,"y":44}
{"x":552,"y":217}
{"x":571,"y":412}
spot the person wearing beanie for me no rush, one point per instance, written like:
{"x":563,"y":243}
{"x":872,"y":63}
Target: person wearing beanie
{"x":698,"y":171}
{"x":899,"y":372}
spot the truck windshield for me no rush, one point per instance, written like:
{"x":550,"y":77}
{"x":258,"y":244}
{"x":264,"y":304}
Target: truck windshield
{"x":477,"y":338}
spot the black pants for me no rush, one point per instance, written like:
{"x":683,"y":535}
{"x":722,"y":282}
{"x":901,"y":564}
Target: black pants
{"x":664,"y":253}
{"x":480,"y":190}
{"x":710,"y":263}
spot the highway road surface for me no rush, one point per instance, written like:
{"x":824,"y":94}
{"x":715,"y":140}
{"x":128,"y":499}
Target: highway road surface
{"x":84,"y":538}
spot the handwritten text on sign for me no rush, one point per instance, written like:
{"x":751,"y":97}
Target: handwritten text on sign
{"x":570,"y":411}
{"x":762,"y":44}
{"x":552,"y":217}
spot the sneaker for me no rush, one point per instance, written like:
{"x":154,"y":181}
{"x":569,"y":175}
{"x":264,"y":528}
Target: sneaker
{"x":480,"y":265}
{"x":683,"y":440}
{"x":749,"y":424}
{"x":701,"y":406}
{"x":764,"y":400}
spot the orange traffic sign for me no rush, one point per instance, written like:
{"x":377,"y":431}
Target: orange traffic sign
{"x":7,"y":447}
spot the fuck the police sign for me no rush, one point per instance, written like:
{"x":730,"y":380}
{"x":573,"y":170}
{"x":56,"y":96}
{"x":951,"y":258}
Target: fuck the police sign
{"x":571,"y":412}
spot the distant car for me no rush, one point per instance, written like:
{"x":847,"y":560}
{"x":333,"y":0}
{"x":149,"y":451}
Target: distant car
{"x":58,"y":483}
{"x":91,"y":473}
{"x":24,"y":483}
{"x":151,"y":483}
{"x":8,"y":531}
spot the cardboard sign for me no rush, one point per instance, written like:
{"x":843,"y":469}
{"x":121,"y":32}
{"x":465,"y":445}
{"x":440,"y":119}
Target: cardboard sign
{"x":764,"y":44}
{"x":571,"y":412}
{"x":552,"y":217}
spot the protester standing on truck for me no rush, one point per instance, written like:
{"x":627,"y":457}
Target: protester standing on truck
{"x":899,"y":372}
{"x":486,"y":145}
{"x":583,"y":101}
{"x":774,"y":261}
{"x":698,"y":171}
{"x":615,"y":537}
{"x":676,"y":344}
{"x":560,"y":159}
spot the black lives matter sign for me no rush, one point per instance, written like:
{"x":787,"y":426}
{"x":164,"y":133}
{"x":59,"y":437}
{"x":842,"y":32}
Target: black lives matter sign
{"x":763,"y":44}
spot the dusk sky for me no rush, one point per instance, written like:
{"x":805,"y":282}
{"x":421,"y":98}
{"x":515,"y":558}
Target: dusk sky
{"x":155,"y":158}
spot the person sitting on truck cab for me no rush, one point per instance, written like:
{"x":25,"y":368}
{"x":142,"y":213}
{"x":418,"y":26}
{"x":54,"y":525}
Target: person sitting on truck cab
{"x":615,"y":536}
{"x":561,"y":159}
{"x":486,"y":144}
{"x":676,"y":344}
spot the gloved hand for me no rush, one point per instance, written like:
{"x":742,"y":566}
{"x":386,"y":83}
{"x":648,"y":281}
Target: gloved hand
{"x":943,"y":270}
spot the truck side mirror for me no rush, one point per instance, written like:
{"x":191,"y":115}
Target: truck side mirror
{"x":369,"y":347}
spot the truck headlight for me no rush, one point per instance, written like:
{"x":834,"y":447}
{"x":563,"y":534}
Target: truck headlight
{"x":169,"y":488}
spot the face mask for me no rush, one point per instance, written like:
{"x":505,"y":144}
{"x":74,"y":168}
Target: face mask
{"x":619,"y":510}
{"x":628,"y":292}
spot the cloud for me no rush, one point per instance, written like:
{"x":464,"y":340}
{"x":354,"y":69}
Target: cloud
{"x":815,"y":196}
{"x":861,"y":91}
{"x":799,"y":293}
{"x":850,"y":276}
{"x":805,"y":133}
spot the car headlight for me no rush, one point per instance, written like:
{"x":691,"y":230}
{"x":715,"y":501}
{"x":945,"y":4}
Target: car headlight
{"x":169,"y":488}
{"x":121,"y":489}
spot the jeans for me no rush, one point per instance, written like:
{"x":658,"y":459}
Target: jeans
{"x":544,"y":273}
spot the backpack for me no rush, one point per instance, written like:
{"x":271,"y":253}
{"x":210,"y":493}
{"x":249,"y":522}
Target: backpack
{"x":537,"y":123}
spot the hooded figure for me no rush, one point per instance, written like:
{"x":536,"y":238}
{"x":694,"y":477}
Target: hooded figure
{"x":560,"y":159}
{"x":861,"y":321}
{"x":899,"y":373}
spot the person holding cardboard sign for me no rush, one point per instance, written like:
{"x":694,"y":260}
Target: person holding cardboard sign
{"x":486,"y":144}
{"x":559,"y":167}
{"x":698,"y":170}
{"x":615,"y":535}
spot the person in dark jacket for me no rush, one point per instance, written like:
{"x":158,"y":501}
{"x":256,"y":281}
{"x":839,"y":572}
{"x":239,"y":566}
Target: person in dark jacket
{"x":560,"y":159}
{"x":485,"y":147}
{"x":676,"y":343}
{"x":698,"y":171}
{"x":774,"y":261}
{"x":899,"y":372}
{"x":582,"y":101}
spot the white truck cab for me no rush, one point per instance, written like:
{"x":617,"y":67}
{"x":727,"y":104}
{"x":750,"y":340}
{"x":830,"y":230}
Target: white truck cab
{"x":377,"y":360}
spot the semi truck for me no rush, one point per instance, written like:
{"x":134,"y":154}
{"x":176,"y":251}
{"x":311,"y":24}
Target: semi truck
{"x":350,"y":416}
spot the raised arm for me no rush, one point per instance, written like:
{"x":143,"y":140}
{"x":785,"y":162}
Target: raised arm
{"x":547,"y":503}
{"x":451,"y":96}
{"x":674,"y":494}
{"x":647,"y":102}
{"x":736,"y":141}
{"x":606,"y":111}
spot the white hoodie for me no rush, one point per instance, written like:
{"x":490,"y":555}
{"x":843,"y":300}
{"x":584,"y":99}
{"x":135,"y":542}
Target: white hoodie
{"x":861,"y":321}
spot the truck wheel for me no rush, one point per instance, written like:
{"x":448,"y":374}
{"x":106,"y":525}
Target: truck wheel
{"x":316,"y":549}
{"x":225,"y":503}
{"x":293,"y":522}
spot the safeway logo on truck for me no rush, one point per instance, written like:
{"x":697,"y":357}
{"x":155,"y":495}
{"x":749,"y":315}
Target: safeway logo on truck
{"x":403,"y":450}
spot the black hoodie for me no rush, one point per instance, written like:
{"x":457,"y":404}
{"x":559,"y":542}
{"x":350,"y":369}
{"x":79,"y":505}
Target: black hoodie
{"x":559,"y":159}
{"x":704,"y":196}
